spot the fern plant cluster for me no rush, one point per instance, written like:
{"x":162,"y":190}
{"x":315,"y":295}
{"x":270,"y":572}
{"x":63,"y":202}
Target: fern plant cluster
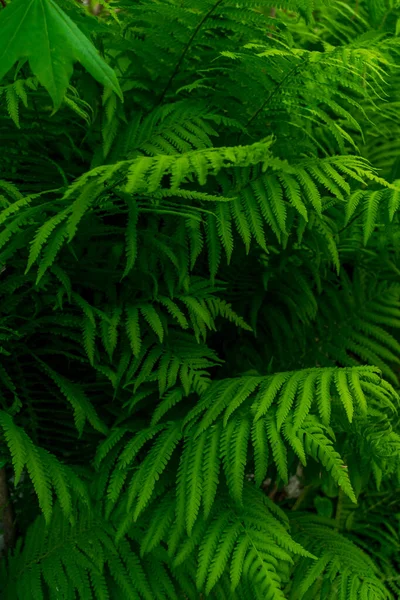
{"x":200,"y":300}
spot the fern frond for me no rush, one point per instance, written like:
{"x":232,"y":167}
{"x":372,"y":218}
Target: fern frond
{"x":44,"y":470}
{"x":83,"y":409}
{"x":318,"y":446}
{"x":343,"y":566}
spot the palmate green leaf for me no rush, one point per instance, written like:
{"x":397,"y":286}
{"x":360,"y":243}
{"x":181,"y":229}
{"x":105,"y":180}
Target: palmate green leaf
{"x":42,"y":32}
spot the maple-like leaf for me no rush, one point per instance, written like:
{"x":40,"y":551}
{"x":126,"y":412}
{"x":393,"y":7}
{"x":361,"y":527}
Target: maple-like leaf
{"x":44,"y":34}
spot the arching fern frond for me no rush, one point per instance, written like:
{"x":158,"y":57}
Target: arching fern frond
{"x":341,"y":565}
{"x":82,"y":559}
{"x":47,"y":474}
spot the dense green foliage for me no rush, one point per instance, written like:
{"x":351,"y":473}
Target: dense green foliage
{"x":200,"y":299}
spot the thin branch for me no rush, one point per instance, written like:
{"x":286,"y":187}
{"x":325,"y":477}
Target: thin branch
{"x":6,"y":512}
{"x":352,"y":220}
{"x":186,"y":49}
{"x":272,"y":94}
{"x":273,"y":492}
{"x":302,"y":497}
{"x":3,"y":3}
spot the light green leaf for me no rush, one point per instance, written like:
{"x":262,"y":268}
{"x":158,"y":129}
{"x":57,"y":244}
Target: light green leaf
{"x":41,"y":32}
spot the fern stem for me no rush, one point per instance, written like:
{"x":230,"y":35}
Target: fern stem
{"x":186,"y":49}
{"x":273,"y":492}
{"x":6,"y":512}
{"x":352,"y":220}
{"x":272,"y":94}
{"x":299,"y":501}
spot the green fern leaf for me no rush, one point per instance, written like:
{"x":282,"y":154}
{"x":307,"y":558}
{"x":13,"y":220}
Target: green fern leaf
{"x":153,"y":319}
{"x":132,"y":329}
{"x":223,"y":551}
{"x":41,"y":238}
{"x":131,"y":235}
{"x":324,"y":395}
{"x":344,"y":393}
{"x":287,"y":397}
{"x":208,"y":546}
{"x":318,"y":446}
{"x":224,"y":228}
{"x":194,"y":480}
{"x":155,"y":463}
{"x":235,"y":457}
{"x":83,"y":408}
{"x":211,"y":467}
{"x":371,"y":212}
{"x":261,"y":451}
{"x":278,"y":449}
{"x":268,"y":393}
{"x":39,"y":476}
{"x":15,"y":441}
{"x":306,"y":397}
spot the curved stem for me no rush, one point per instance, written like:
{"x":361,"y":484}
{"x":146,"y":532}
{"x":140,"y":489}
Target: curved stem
{"x":186,"y":49}
{"x":272,"y":94}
